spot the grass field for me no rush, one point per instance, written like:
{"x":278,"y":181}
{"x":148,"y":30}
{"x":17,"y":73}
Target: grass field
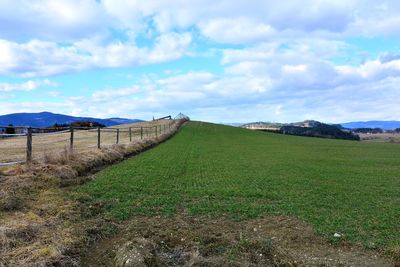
{"x":348,"y":187}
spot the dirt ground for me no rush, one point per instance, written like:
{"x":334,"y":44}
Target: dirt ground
{"x":202,"y":241}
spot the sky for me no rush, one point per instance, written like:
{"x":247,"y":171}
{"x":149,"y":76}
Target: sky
{"x":213,"y":60}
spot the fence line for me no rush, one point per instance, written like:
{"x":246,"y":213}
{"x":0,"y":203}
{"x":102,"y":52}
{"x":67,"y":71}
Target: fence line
{"x":45,"y":140}
{"x":11,"y":135}
{"x":52,"y":133}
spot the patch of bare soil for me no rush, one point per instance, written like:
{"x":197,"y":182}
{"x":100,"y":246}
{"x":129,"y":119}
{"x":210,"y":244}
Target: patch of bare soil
{"x":204,"y":241}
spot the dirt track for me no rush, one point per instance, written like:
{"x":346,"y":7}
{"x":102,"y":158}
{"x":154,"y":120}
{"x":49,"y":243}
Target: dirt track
{"x":206,"y":241}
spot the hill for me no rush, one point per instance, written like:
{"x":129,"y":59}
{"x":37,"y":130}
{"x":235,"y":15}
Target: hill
{"x":46,"y":119}
{"x":320,"y":130}
{"x":214,"y":171}
{"x":278,"y":125}
{"x":386,"y":125}
{"x":305,"y":128}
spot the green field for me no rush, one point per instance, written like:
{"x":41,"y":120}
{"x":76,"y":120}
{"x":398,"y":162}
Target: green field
{"x":336,"y":186}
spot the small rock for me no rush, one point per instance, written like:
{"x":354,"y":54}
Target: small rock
{"x":133,"y":253}
{"x":337,"y":235}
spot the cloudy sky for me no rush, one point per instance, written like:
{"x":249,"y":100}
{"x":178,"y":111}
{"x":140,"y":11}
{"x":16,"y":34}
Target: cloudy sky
{"x":214,"y":60}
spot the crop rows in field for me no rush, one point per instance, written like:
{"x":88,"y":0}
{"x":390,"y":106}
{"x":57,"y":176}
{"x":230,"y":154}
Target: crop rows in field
{"x":337,"y":186}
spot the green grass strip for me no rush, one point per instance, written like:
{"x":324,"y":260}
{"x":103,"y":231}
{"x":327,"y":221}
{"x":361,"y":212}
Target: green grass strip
{"x":336,"y":186}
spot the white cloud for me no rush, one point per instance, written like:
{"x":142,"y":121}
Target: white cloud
{"x":309,"y":15}
{"x":40,"y":58}
{"x":295,"y":69}
{"x":227,"y":21}
{"x":299,"y":50}
{"x":26,"y":86}
{"x":107,"y":95}
{"x":60,"y":20}
{"x":236,"y":97}
{"x":169,"y":46}
{"x":44,"y":37}
{"x":373,"y":70}
{"x":236,"y":30}
{"x":281,"y":64}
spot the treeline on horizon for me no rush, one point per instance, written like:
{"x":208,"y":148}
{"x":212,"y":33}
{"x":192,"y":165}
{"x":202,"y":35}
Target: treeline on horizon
{"x":88,"y":124}
{"x":317,"y":129}
{"x":374,"y":130}
{"x":320,"y":130}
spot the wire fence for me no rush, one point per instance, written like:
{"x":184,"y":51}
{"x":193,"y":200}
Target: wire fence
{"x":25,"y":144}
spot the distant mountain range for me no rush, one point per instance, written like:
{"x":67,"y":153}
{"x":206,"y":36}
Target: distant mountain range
{"x":386,"y":125}
{"x":46,"y":119}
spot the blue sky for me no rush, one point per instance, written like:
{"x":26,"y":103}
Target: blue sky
{"x":220,"y":61}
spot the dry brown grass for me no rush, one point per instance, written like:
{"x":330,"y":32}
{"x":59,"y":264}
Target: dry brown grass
{"x":45,"y":146}
{"x":381,"y":137}
{"x":39,"y":224}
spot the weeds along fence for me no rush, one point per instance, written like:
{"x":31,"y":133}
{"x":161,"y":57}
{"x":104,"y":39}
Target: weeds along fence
{"x":25,"y":144}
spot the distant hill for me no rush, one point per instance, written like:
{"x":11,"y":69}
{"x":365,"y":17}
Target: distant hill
{"x":235,"y":124}
{"x":386,"y":125}
{"x":277,"y":125}
{"x":320,"y":130}
{"x":304,"y":128}
{"x":46,"y":119}
{"x":123,"y":121}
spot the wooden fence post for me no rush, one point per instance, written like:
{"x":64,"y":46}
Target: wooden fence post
{"x":141,"y":132}
{"x":155,"y":127}
{"x":117,"y":136}
{"x":29,"y":145}
{"x":98,"y":138}
{"x":130,"y":134}
{"x":71,"y":139}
